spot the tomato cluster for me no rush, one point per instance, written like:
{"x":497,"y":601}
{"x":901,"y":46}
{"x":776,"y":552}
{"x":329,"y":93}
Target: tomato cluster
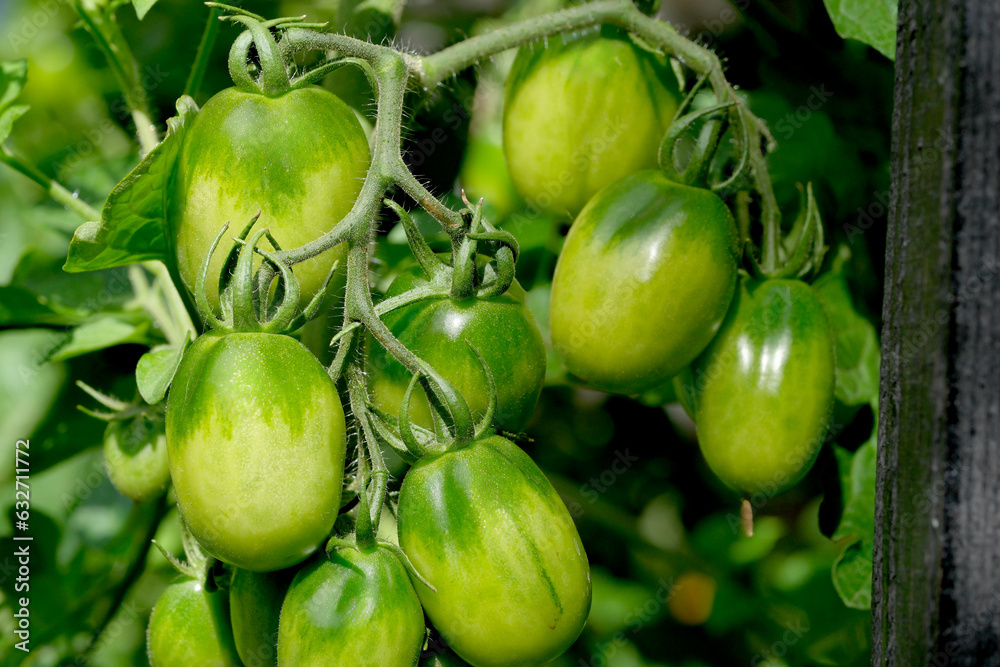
{"x":256,"y":436}
{"x":648,"y":285}
{"x":648,"y":288}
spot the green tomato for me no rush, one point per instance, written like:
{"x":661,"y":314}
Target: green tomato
{"x":763,"y":390}
{"x":443,"y":659}
{"x":581,"y":114}
{"x":254,"y":605}
{"x":643,"y":282}
{"x":256,"y":438}
{"x":135,"y":452}
{"x":190,"y":626}
{"x":502,"y":329}
{"x":485,"y":527}
{"x":299,"y":158}
{"x":356,"y":607}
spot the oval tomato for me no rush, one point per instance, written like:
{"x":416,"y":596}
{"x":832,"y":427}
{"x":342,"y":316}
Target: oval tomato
{"x":356,"y":607}
{"x":299,"y":158}
{"x":190,"y":626}
{"x":501,"y":329}
{"x":763,"y":390}
{"x":582,"y":113}
{"x":254,"y":605}
{"x":643,"y":282}
{"x":484,"y":526}
{"x":135,"y":452}
{"x":256,"y":439}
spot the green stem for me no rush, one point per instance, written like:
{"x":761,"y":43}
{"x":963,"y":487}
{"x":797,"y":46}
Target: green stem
{"x":107,"y":34}
{"x":200,"y":66}
{"x":149,"y":301}
{"x":175,"y":301}
{"x":371,"y":465}
{"x":145,"y":130}
{"x":432,"y":70}
{"x":51,"y":187}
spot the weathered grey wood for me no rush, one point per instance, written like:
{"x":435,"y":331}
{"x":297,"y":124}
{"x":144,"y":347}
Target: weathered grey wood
{"x":937,"y":543}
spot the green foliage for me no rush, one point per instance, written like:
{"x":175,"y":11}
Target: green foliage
{"x":870,"y":21}
{"x":12,"y":77}
{"x":142,"y":7}
{"x":133,"y":223}
{"x":156,"y":369}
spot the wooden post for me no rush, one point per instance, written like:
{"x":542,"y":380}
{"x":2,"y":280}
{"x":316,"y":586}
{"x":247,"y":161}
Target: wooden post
{"x":936,"y":590}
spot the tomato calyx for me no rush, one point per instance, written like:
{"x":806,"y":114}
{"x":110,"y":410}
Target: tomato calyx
{"x":423,"y":443}
{"x":119,"y":409}
{"x":366,"y":545}
{"x":697,"y":136}
{"x":802,"y":250}
{"x":245,"y":306}
{"x":198,"y":565}
{"x":272,"y":78}
{"x":464,"y":277}
{"x":707,"y":125}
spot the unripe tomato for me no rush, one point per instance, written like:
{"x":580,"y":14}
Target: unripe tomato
{"x":484,"y":526}
{"x":254,"y":605}
{"x":443,"y":659}
{"x":353,"y":608}
{"x":135,"y":452}
{"x":256,"y":438}
{"x":582,"y":113}
{"x":502,"y":329}
{"x":190,"y":626}
{"x":643,"y":282}
{"x":763,"y":390}
{"x":299,"y":158}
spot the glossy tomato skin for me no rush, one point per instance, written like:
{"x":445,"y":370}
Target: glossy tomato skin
{"x":763,"y":390}
{"x":487,"y":529}
{"x":501,"y":328}
{"x":190,"y":626}
{"x":135,"y":452}
{"x":642,"y":283}
{"x":254,"y":606}
{"x":582,"y":113}
{"x":256,"y":441}
{"x":299,"y":158}
{"x":353,"y":609}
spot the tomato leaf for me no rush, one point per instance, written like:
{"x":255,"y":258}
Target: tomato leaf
{"x":28,"y":386}
{"x":872,"y":22}
{"x":858,"y":356}
{"x":142,"y":7}
{"x":104,"y":331}
{"x":156,"y":369}
{"x":852,"y":572}
{"x":13,"y":74}
{"x":20,"y":306}
{"x":133,"y":223}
